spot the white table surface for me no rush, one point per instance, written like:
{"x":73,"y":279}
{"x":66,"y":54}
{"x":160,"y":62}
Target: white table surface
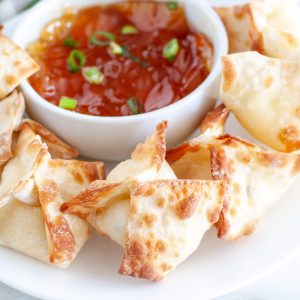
{"x":284,"y":283}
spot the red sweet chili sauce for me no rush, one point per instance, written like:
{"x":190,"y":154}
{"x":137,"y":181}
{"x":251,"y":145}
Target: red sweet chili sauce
{"x":143,"y":72}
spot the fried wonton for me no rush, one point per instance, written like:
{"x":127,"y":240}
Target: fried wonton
{"x":147,"y":161}
{"x":56,"y":147}
{"x":191,"y":160}
{"x":264,"y":95}
{"x":161,"y":225}
{"x":158,"y":222}
{"x":11,"y":113}
{"x":239,"y":26}
{"x":254,"y":179}
{"x":15,"y":65}
{"x":58,"y":181}
{"x":33,"y":186}
{"x":277,"y":22}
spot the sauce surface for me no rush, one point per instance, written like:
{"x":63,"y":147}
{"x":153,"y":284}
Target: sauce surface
{"x":146,"y":74}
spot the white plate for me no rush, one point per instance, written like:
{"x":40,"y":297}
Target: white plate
{"x":215,"y":269}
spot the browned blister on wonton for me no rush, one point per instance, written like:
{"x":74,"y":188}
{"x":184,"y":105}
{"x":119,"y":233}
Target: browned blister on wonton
{"x":11,"y":113}
{"x":15,"y":65}
{"x":161,"y":225}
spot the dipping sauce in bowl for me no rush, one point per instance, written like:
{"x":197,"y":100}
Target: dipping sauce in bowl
{"x":120,"y":59}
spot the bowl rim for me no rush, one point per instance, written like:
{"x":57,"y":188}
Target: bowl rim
{"x":220,"y":32}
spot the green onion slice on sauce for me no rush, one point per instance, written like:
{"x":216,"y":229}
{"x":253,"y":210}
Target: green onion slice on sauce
{"x":135,"y":106}
{"x":69,"y":42}
{"x":76,"y":61}
{"x":129,"y":29}
{"x":115,"y":48}
{"x":94,"y":39}
{"x":92,"y":75}
{"x":135,"y":59}
{"x":67,"y":103}
{"x":171,"y":49}
{"x":172,"y":5}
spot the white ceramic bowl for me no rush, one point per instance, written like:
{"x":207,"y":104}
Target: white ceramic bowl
{"x":113,"y":138}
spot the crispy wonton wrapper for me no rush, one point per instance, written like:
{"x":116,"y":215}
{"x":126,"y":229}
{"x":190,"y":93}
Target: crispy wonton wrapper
{"x":158,"y":222}
{"x":162,"y":224}
{"x":15,"y":65}
{"x":254,"y":179}
{"x":56,"y":147}
{"x":267,"y":26}
{"x":277,"y":22}
{"x":191,"y":160}
{"x":240,"y":29}
{"x":147,"y":161}
{"x":11,"y":112}
{"x":33,"y":186}
{"x":264,"y":95}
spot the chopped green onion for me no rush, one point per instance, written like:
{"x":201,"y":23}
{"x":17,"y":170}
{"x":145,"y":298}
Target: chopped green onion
{"x":129,"y":29}
{"x":67,"y":103}
{"x":171,"y":49}
{"x":115,"y":48}
{"x":69,"y":42}
{"x":76,"y":61}
{"x":92,"y":75}
{"x":135,"y":106}
{"x":30,"y":4}
{"x":135,"y":59}
{"x":94,"y":38}
{"x":172,"y":5}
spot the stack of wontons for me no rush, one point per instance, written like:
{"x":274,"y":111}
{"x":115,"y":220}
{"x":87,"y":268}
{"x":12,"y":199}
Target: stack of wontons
{"x":37,"y":174}
{"x":159,"y":204}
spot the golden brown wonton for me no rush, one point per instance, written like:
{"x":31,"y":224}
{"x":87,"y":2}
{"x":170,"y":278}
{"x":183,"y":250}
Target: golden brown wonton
{"x":267,"y":26}
{"x":161,"y":225}
{"x":254,"y":179}
{"x":157,"y":219}
{"x":33,"y":186}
